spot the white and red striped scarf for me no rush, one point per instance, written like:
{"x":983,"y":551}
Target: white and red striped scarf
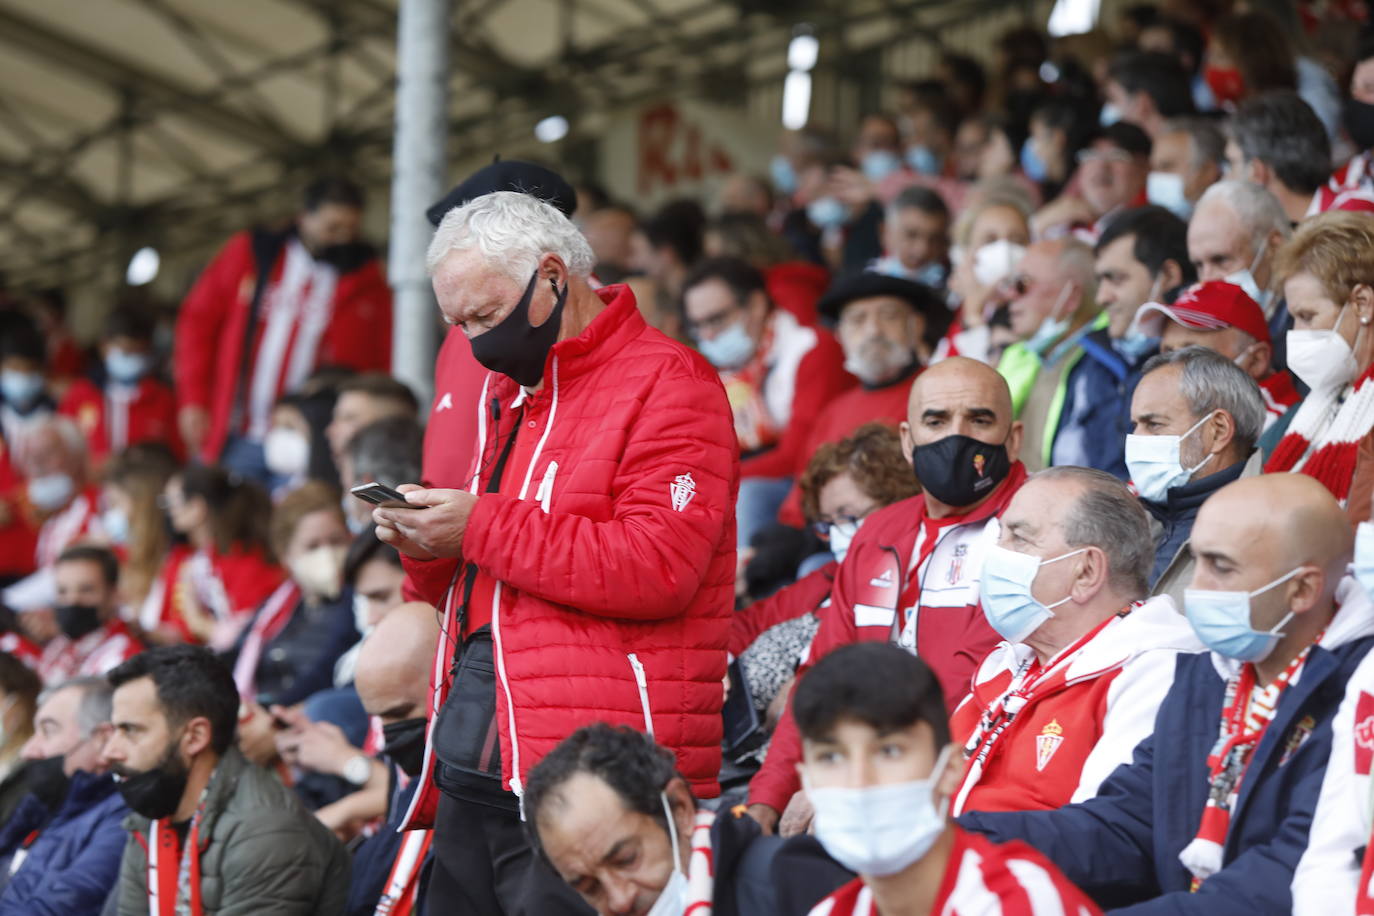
{"x":270,"y":621}
{"x":701,"y":870}
{"x":1324,"y":438}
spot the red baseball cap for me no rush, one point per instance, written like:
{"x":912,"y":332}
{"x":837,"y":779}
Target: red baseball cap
{"x":1211,"y":306}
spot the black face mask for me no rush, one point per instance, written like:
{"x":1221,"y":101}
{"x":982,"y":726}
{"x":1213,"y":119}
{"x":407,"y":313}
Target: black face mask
{"x":345,"y":257}
{"x":46,"y":779}
{"x":76,"y":620}
{"x":959,"y":470}
{"x":155,"y":793}
{"x":514,"y":347}
{"x":1359,"y":121}
{"x":405,"y":744}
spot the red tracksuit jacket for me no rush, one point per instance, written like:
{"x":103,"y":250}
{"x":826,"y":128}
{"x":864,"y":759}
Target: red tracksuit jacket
{"x":150,"y":417}
{"x":612,"y":548}
{"x":214,"y":318}
{"x":872,"y":601}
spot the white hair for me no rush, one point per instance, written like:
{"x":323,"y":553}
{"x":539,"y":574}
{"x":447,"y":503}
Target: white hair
{"x":73,"y":442}
{"x":1258,"y":210}
{"x":513,"y":230}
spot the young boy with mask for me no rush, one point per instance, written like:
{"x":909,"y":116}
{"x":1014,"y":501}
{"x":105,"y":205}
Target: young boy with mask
{"x":879,"y":768}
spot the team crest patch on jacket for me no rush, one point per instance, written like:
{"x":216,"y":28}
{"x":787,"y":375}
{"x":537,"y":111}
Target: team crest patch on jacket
{"x":1297,"y":738}
{"x":1364,"y":734}
{"x":1047,"y":743}
{"x":683,"y":489}
{"x":956,"y":564}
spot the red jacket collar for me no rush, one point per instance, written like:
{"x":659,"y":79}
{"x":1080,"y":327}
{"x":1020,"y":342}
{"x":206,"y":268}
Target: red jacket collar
{"x":898,"y":524}
{"x":618,"y":324}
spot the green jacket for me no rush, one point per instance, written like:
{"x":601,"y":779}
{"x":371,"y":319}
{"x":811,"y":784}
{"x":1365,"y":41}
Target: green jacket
{"x":261,"y":852}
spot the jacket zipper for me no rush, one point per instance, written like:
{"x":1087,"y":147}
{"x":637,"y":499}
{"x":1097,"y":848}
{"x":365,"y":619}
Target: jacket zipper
{"x":642,"y":682}
{"x":516,"y":785}
{"x":544,"y":495}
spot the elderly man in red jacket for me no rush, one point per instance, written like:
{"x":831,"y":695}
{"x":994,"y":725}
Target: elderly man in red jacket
{"x":911,"y":576}
{"x":266,"y":312}
{"x":587,"y":573}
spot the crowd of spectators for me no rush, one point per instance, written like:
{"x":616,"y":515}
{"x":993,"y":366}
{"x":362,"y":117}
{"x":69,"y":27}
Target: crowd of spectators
{"x":975,"y":513}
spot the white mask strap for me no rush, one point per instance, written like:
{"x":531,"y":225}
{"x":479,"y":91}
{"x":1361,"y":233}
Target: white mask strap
{"x":672,"y":831}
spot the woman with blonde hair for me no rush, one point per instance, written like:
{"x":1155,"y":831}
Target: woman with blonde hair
{"x":1328,"y":279}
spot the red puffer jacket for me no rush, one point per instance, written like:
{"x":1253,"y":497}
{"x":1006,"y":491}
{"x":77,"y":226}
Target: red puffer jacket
{"x":615,"y":558}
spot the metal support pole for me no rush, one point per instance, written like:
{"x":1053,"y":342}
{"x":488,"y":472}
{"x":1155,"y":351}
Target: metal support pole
{"x":418,"y":180}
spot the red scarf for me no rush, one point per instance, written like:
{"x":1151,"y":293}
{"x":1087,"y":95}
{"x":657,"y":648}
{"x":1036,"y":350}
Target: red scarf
{"x":755,"y":427}
{"x":1244,"y":719}
{"x":398,"y":896}
{"x":1323,"y":440}
{"x":170,"y":865}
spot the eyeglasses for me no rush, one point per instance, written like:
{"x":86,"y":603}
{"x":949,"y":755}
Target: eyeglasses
{"x":713,"y":324}
{"x":822,"y":525}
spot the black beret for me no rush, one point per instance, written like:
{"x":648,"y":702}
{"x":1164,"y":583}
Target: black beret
{"x":868,"y":285}
{"x":508,"y":175}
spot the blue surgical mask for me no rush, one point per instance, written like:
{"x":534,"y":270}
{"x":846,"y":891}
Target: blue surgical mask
{"x":729,"y":349}
{"x":1154,"y":463}
{"x":923,"y":160}
{"x":1031,"y":163}
{"x":21,"y":389}
{"x":1051,"y":328}
{"x":933,"y":275}
{"x":1364,"y":556}
{"x":124,"y":367}
{"x":1134,"y":345}
{"x":880,"y":163}
{"x":116,"y":525}
{"x":1110,"y":115}
{"x":1245,"y":278}
{"x":880,"y":829}
{"x":1005,"y":589}
{"x":826,"y":213}
{"x":1222,"y":621}
{"x":783,"y":175}
{"x":51,"y":491}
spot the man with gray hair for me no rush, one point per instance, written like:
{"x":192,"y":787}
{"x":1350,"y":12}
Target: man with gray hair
{"x":1086,"y":660}
{"x":587,"y":571}
{"x":1197,"y":417}
{"x":1187,"y":157}
{"x":1234,"y":234}
{"x":386,"y":451}
{"x":60,"y":852}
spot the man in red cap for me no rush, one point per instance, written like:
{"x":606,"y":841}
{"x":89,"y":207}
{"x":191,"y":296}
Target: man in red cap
{"x":1222,"y":317}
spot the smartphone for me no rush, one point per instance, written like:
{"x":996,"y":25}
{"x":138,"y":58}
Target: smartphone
{"x":381,"y":495}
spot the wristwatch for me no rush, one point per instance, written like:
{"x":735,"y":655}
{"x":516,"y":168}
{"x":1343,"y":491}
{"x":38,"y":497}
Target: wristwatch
{"x":358,"y":770}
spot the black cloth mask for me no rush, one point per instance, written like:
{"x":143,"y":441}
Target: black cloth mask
{"x":48,"y":781}
{"x":516,"y":348}
{"x":405,"y":744}
{"x":1359,"y":121}
{"x":76,"y":620}
{"x":155,"y":793}
{"x":960,"y":470}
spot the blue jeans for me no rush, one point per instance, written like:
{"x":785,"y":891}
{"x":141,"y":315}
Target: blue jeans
{"x":757,"y":507}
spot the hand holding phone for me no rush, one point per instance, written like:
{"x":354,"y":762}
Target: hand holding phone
{"x":381,"y":495}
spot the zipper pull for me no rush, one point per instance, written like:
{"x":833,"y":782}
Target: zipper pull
{"x":544,"y":494}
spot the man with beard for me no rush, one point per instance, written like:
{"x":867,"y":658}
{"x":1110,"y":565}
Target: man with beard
{"x":211,"y":833}
{"x":393,"y":684}
{"x":887,"y":327}
{"x":59,"y":853}
{"x":266,"y":312}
